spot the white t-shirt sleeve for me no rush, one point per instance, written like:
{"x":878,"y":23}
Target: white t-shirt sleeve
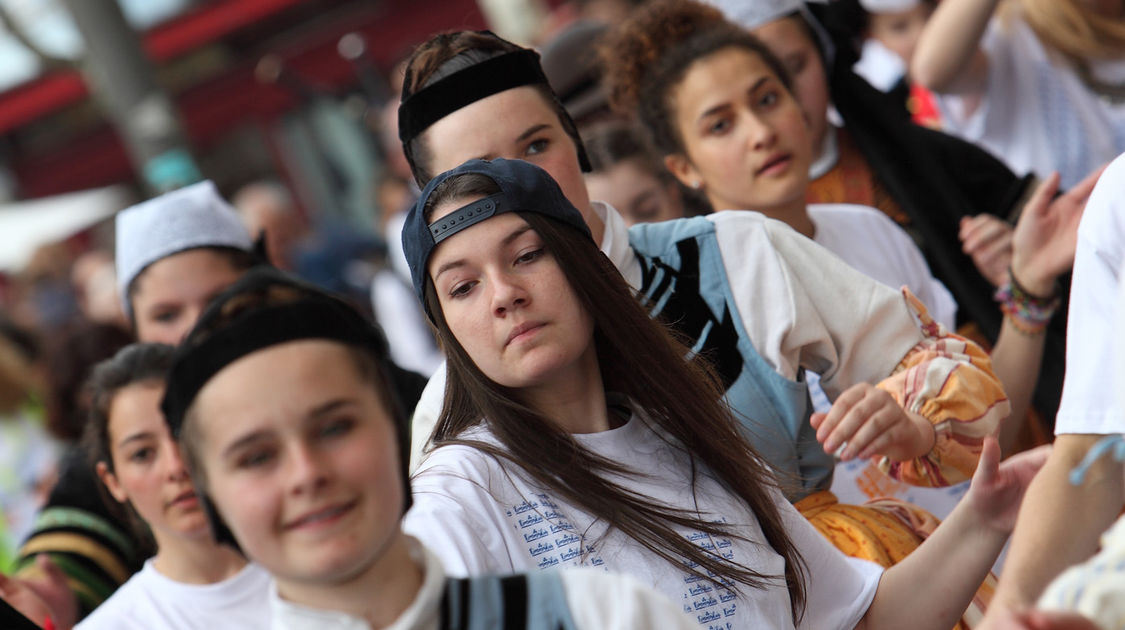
{"x":1089,"y":401}
{"x":454,"y":512}
{"x":425,"y":416}
{"x":820,"y":313}
{"x":606,"y":601}
{"x":840,"y":589}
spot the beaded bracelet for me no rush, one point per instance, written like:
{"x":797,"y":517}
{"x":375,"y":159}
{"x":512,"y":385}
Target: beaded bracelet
{"x":1028,"y":313}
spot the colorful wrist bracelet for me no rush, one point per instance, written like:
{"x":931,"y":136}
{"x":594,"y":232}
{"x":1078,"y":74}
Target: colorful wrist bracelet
{"x":1028,"y":313}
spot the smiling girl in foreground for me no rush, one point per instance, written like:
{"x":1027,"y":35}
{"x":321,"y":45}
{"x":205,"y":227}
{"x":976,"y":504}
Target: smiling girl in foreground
{"x":282,"y":399}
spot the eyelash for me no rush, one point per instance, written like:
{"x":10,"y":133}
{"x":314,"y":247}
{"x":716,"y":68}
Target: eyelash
{"x":142,"y":454}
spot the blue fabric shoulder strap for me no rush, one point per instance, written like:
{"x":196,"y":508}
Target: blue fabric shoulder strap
{"x":512,"y":602}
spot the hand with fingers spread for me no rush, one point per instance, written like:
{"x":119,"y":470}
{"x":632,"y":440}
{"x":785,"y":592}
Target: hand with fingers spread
{"x":988,"y":241}
{"x":46,"y":593}
{"x":997,"y":488}
{"x":19,"y":595}
{"x":867,"y":421}
{"x":1044,"y":240}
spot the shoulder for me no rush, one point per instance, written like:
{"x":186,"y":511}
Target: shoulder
{"x":125,"y":608}
{"x":1104,"y":217}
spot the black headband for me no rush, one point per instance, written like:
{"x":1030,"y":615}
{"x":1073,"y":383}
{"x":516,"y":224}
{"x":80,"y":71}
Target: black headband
{"x":464,"y":87}
{"x":261,"y":328}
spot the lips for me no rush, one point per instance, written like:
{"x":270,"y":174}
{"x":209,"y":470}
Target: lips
{"x":775,"y":163}
{"x":184,"y":497}
{"x":320,"y":517}
{"x":523,"y":328}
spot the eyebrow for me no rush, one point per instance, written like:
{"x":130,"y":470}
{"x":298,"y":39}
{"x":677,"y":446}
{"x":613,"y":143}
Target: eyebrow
{"x":531,"y":131}
{"x":717,"y":108}
{"x":315,"y":412}
{"x":136,"y":437}
{"x":460,"y":262}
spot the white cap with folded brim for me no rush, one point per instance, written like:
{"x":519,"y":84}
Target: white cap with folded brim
{"x":751,"y":14}
{"x":888,"y":6}
{"x":191,"y":217}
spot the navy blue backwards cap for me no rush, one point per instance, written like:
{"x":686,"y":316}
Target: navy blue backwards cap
{"x":524,"y":187}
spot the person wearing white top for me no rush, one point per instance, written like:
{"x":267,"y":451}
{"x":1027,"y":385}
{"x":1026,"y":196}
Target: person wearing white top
{"x":1090,"y":410}
{"x":192,"y":583}
{"x":574,"y":433}
{"x":283,"y":404}
{"x":1039,"y":83}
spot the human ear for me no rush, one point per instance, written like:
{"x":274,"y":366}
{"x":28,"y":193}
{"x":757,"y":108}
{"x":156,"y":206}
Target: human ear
{"x":682,"y":169}
{"x":111,"y":482}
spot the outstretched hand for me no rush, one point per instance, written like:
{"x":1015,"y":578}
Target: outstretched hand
{"x":1045,"y":238}
{"x":44,"y":595}
{"x":997,"y":488}
{"x":867,"y":421}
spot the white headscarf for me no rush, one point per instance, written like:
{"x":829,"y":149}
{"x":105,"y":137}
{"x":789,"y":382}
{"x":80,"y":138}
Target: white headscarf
{"x":191,"y":217}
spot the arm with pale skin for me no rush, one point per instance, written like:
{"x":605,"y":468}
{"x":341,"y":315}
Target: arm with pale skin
{"x":1043,"y":247}
{"x":1061,"y":517}
{"x":948,"y":58}
{"x":925,"y":415}
{"x":953,"y":561}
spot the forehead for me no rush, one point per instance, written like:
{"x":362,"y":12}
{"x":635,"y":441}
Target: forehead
{"x":183,"y":270}
{"x":785,"y":36}
{"x":712,"y":79}
{"x":136,"y":407}
{"x":488,"y":128}
{"x":479,"y":240}
{"x":278,"y":384}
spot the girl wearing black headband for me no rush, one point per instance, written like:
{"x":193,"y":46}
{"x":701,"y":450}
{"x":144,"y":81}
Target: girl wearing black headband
{"x":760,"y":301}
{"x":284,"y":408}
{"x":574,"y":433}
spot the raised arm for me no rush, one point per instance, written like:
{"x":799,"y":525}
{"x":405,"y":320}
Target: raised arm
{"x":932,"y":586}
{"x":948,"y":58}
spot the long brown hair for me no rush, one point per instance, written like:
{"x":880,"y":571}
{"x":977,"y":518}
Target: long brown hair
{"x":639,"y":358}
{"x":1074,"y":30}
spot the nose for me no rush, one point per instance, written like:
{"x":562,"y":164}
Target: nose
{"x":175,"y":467}
{"x":307,"y":469}
{"x":762,"y":134}
{"x":508,"y":293}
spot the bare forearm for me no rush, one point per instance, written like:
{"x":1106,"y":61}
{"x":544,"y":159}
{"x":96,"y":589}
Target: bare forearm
{"x":1016,"y":359}
{"x":932,"y":587}
{"x":1059,"y":523}
{"x":948,"y":56}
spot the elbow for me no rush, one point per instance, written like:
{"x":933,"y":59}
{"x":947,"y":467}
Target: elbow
{"x":929,"y":75}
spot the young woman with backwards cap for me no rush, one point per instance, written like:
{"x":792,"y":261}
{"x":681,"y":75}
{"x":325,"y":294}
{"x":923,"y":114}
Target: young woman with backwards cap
{"x":574,"y":434}
{"x":760,"y":301}
{"x":286,"y":414}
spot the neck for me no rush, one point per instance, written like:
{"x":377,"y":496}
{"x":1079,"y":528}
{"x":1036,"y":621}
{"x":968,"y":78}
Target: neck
{"x":596,"y":225}
{"x":378,"y":594}
{"x":575,"y":402}
{"x":195,"y":560}
{"x":795,"y":214}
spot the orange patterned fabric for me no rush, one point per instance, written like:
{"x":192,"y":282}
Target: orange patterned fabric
{"x":883,"y":531}
{"x":851,"y":180}
{"x":964,"y":409}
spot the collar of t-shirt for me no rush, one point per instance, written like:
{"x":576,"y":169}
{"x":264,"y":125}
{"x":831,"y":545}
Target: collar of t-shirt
{"x":422,"y":614}
{"x":615,"y":243}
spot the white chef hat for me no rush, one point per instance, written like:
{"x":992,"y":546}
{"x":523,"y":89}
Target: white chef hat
{"x":191,"y":217}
